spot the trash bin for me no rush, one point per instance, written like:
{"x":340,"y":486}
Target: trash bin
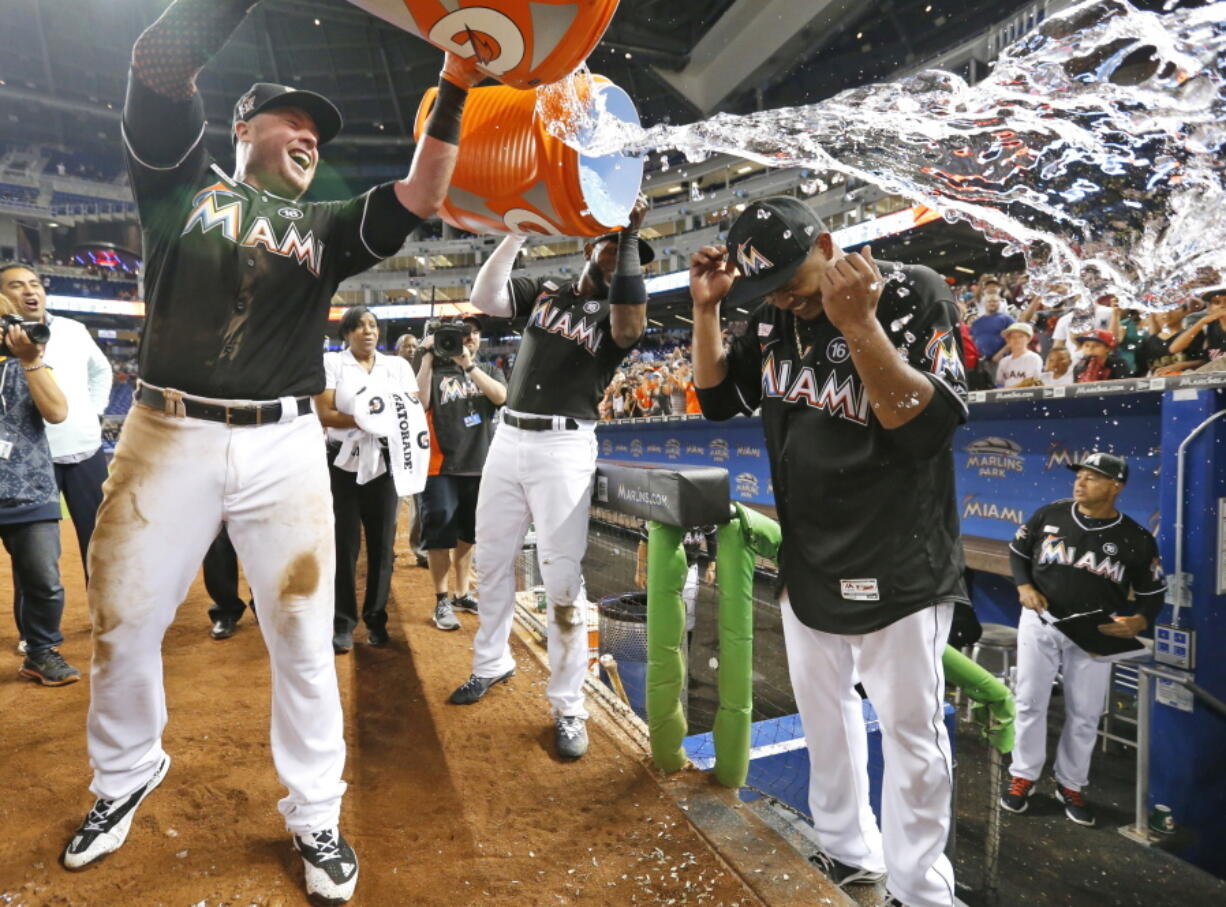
{"x":623,"y":634}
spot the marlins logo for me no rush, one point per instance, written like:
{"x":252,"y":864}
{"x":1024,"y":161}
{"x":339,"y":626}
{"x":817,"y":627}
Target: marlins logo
{"x":942,"y":352}
{"x":750,"y":260}
{"x":246,"y":104}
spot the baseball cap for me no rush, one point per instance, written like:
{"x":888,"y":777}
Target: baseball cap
{"x":1022,"y":327}
{"x":646,"y":253}
{"x":1106,"y":464}
{"x":767,"y":243}
{"x":1102,"y":335}
{"x":264,"y":96}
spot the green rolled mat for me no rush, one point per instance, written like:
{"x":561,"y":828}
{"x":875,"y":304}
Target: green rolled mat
{"x":666,"y":569}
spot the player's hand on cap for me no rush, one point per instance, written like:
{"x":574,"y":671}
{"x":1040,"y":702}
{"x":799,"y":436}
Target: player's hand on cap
{"x":850,"y":290}
{"x":1124,"y":627}
{"x":1032,"y":598}
{"x":711,"y":276}
{"x":462,"y":71}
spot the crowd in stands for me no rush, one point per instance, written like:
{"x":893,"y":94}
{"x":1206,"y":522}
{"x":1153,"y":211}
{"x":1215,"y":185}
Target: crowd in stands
{"x":1011,"y":339}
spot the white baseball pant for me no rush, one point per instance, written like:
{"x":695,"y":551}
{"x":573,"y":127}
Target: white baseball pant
{"x":1042,"y":652}
{"x":173,"y":482}
{"x":542,"y":477}
{"x":902,"y":671}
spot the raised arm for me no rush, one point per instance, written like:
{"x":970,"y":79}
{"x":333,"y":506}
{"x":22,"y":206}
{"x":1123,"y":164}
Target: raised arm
{"x":424,"y":189}
{"x":627,"y":289}
{"x":491,"y":289}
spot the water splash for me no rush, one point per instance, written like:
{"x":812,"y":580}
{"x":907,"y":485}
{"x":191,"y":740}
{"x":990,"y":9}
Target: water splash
{"x":1094,"y":148}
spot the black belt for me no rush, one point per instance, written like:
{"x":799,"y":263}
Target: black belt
{"x":242,"y":414}
{"x":537,"y":423}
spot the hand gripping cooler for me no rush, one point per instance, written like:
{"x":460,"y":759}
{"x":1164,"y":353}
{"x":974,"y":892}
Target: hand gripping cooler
{"x":521,"y":43}
{"x":513,"y":176}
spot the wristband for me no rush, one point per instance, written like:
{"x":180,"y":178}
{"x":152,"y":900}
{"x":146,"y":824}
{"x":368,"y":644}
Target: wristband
{"x":626,"y":290}
{"x":470,"y":368}
{"x":444,"y":122}
{"x":33,"y":368}
{"x":628,"y":263}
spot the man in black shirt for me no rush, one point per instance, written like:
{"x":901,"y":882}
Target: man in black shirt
{"x":238,"y":275}
{"x":541,"y":462}
{"x":461,"y":396}
{"x":1069,"y":558}
{"x":858,"y":372}
{"x":1207,"y":337}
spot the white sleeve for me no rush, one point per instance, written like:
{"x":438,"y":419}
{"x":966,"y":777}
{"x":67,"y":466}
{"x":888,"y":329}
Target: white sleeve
{"x":491,"y":293}
{"x":332,"y":370}
{"x":100,"y":375}
{"x":1033,"y":365}
{"x":1060,"y":332}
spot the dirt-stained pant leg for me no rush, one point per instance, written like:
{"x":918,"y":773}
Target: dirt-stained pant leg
{"x":502,"y":521}
{"x":557,"y":479}
{"x":279,"y":511}
{"x":160,"y":513}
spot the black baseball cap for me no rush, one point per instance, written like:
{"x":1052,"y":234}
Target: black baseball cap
{"x":767,"y":243}
{"x":646,"y":253}
{"x":263,"y":96}
{"x":1106,"y":464}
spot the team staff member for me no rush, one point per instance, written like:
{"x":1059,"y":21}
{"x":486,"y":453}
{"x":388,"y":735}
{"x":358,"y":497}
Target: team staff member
{"x":30,"y":399}
{"x":410,"y":505}
{"x":84,"y":375}
{"x":462,"y":398}
{"x":238,"y":278}
{"x":363,"y":492}
{"x":861,"y":387}
{"x":543,"y":456}
{"x":221,"y":582}
{"x":1071,"y":557}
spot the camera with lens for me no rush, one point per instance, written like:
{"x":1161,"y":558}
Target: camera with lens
{"x":448,"y":338}
{"x":35,"y":330}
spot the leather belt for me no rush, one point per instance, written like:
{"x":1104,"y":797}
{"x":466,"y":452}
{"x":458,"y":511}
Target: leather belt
{"x":175,"y":404}
{"x":538,"y":423}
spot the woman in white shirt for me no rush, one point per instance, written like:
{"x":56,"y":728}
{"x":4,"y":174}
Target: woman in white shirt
{"x":1021,"y":367}
{"x":363,"y":492}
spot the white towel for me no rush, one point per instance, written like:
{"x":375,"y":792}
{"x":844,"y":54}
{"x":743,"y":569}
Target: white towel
{"x":399,"y":417}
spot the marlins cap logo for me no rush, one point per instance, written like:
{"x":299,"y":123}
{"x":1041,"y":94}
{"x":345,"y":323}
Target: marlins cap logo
{"x":246,"y":104}
{"x":750,"y":260}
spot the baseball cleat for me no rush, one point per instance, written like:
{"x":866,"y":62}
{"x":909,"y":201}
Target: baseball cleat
{"x":570,"y":736}
{"x":1075,"y":805}
{"x":1017,"y":798}
{"x":224,"y":628}
{"x":465,"y":603}
{"x":476,"y":687}
{"x":106,"y":826}
{"x":844,"y":874}
{"x":49,"y":668}
{"x":329,"y":864}
{"x":444,"y":616}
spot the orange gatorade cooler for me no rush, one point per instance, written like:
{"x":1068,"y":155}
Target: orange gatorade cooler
{"x":514,"y":177}
{"x":521,"y":43}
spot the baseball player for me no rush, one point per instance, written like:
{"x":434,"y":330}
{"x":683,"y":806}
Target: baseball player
{"x":1071,"y":557}
{"x":861,"y":386}
{"x":462,"y":396}
{"x":541,"y":461}
{"x":238,"y":275}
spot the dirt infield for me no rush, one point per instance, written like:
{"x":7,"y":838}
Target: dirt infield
{"x":447,"y":805}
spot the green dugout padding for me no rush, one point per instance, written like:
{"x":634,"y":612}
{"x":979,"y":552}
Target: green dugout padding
{"x":746,"y":537}
{"x":994,"y":703}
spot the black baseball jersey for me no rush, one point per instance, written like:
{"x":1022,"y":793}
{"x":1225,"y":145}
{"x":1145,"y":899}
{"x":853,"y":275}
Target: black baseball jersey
{"x":567,"y":356}
{"x":237,"y":280}
{"x":1080,"y":563}
{"x":461,"y":419}
{"x":869,"y":517}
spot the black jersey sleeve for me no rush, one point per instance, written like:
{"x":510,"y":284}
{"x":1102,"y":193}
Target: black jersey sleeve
{"x":1021,"y":549}
{"x":740,"y":393}
{"x":164,"y":144}
{"x":369,"y":228}
{"x":937,"y":353}
{"x":1144,"y":574}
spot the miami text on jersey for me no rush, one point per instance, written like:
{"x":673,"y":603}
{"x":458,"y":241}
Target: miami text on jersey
{"x":559,"y":321}
{"x":1054,"y":551}
{"x":845,"y":399}
{"x":219,"y":207}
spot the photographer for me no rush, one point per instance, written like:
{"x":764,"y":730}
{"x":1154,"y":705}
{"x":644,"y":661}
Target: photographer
{"x":363,"y":491}
{"x":29,"y":498}
{"x":84,"y":376}
{"x":461,"y":396}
